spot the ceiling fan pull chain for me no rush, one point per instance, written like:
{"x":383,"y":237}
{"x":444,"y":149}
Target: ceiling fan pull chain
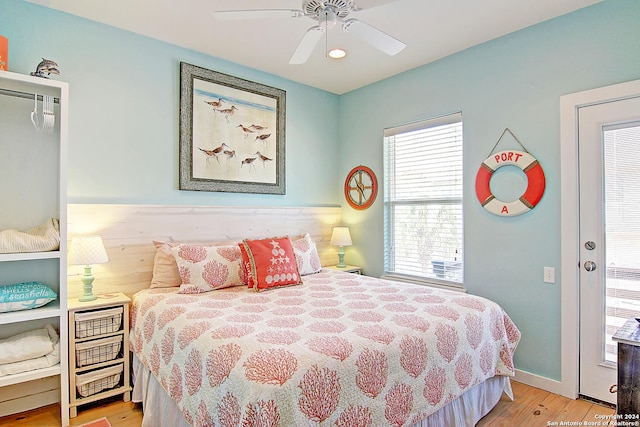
{"x":326,"y":36}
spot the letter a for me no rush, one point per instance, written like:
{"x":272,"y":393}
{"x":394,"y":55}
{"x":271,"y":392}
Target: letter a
{"x":504,"y":210}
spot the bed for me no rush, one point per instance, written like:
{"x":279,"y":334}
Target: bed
{"x":367,"y":352}
{"x":339,"y":349}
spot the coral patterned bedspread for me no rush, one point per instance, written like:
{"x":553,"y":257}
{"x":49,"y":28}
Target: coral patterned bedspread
{"x":341,"y":349}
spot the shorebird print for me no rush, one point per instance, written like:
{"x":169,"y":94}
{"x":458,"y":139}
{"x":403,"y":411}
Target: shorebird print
{"x":214,"y":153}
{"x":227,"y":112}
{"x":263,"y":137}
{"x":258,"y":127}
{"x":245,"y":130}
{"x":215,"y":104}
{"x":264,"y":159}
{"x":230,"y":153}
{"x":249,"y":161}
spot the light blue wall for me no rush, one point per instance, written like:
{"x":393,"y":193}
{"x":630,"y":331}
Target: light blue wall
{"x":515,"y":81}
{"x":124,"y":90}
{"x":123,"y":144}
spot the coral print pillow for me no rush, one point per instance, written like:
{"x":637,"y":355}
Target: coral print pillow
{"x":207,"y":268}
{"x":272,"y":263}
{"x":306,"y":254}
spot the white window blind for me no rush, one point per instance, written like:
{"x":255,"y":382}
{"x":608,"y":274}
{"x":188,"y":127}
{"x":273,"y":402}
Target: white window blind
{"x":622,"y":227}
{"x":423,"y":201}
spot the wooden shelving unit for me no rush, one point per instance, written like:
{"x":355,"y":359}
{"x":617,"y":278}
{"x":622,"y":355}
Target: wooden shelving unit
{"x":33,"y":171}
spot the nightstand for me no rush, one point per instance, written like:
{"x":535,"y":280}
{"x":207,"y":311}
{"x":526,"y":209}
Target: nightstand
{"x":98,"y":350}
{"x":348,"y":269}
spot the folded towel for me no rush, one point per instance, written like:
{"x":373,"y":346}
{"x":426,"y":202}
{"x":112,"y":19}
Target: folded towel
{"x":52,"y":357}
{"x":45,"y":237}
{"x":27,"y":345}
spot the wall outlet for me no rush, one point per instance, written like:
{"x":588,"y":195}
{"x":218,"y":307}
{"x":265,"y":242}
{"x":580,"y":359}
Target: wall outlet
{"x":549,"y":275}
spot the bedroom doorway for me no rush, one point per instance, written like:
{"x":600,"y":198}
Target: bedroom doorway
{"x":609,"y":236}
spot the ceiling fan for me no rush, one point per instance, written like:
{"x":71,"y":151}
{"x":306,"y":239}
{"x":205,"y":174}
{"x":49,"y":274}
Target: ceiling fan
{"x":328,"y":13}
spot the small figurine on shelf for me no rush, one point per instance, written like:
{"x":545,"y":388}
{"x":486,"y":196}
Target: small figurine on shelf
{"x":46,"y":66}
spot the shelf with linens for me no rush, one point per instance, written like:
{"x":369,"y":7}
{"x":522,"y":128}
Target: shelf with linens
{"x":33,"y":283}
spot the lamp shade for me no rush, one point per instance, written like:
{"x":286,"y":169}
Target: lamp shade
{"x":340,"y":237}
{"x":87,"y":250}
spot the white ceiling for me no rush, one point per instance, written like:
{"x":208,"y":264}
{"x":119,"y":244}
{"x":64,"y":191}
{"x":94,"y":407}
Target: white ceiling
{"x":432,"y":29}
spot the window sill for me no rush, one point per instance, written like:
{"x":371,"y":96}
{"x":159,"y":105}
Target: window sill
{"x":434,"y":283}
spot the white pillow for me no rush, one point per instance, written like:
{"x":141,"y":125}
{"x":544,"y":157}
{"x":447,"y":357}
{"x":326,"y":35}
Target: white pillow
{"x":207,"y":268}
{"x":306,"y":254}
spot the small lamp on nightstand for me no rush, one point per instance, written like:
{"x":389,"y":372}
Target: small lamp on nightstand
{"x":87,"y":250}
{"x":341,"y":238}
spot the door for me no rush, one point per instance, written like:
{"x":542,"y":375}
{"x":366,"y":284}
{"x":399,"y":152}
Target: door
{"x":609,"y":217}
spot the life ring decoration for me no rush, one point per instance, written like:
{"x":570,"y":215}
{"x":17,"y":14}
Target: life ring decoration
{"x":361,"y":187}
{"x":529,"y":199}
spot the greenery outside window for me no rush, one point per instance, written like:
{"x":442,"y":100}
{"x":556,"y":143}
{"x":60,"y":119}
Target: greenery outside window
{"x":423,"y":201}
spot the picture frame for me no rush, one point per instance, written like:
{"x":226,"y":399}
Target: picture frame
{"x":232,"y":133}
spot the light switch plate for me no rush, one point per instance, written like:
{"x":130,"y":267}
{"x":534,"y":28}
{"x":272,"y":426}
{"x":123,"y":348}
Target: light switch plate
{"x":549,"y":275}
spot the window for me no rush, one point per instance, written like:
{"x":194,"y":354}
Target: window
{"x":423,"y":201}
{"x":622,"y":228}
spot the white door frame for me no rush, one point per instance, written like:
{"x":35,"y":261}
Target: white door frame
{"x":569,"y":226}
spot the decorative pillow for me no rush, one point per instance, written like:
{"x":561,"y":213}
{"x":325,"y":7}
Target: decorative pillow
{"x":207,"y":268}
{"x":22,"y":296}
{"x":273,"y":263}
{"x":165,"y":269}
{"x":306,"y":254}
{"x":246,"y":265}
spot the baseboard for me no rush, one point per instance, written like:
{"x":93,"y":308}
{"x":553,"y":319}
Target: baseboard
{"x":538,"y":381}
{"x":30,"y":395}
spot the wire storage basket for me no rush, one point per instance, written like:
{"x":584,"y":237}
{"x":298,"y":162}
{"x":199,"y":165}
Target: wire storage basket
{"x":99,"y":380}
{"x":98,"y":322}
{"x":98,"y":351}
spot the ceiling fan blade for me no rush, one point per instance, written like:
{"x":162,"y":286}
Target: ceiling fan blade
{"x":368,"y":4}
{"x":308,"y":42}
{"x":376,"y":38}
{"x":228,"y":15}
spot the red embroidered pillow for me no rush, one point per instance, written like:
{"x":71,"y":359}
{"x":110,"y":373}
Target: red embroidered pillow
{"x":306,"y":254}
{"x":207,"y":268}
{"x":273,"y":263}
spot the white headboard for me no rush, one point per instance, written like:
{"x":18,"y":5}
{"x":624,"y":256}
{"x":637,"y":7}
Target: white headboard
{"x":128,"y":232}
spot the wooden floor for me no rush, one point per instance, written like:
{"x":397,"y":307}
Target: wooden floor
{"x":119,"y":414}
{"x":531,"y":407}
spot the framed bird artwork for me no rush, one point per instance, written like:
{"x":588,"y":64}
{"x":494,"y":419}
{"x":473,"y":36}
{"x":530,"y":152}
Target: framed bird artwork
{"x":361,"y":187}
{"x":232,"y":133}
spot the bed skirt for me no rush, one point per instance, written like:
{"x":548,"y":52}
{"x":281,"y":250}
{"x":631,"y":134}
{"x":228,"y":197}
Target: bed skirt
{"x":161,"y":411}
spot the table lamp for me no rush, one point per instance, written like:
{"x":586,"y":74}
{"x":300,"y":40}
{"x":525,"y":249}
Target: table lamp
{"x":87,"y":250}
{"x":341,"y":238}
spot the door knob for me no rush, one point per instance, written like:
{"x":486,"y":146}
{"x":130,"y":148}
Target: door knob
{"x":590,"y":266}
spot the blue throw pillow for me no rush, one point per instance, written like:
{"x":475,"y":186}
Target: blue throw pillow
{"x":23,"y":296}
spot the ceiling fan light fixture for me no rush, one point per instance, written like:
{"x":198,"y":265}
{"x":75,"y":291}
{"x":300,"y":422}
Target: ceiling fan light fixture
{"x":327,"y":19}
{"x":337,"y":53}
{"x":328,"y":14}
